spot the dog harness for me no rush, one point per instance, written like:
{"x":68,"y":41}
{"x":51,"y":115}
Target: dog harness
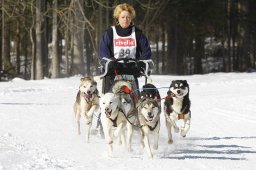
{"x":114,"y":121}
{"x":124,"y":47}
{"x":153,"y":128}
{"x":169,"y":108}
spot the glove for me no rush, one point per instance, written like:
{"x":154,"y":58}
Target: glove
{"x":114,"y":64}
{"x":141,"y":66}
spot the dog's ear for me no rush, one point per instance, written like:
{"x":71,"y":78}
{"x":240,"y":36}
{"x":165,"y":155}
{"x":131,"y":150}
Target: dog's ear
{"x":96,"y":92}
{"x":143,"y":98}
{"x":143,"y":94}
{"x":185,"y":82}
{"x":88,"y":78}
{"x":94,"y":82}
{"x":173,"y":81}
{"x":82,"y":79}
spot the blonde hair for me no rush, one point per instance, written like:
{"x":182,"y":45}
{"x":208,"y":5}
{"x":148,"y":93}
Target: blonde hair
{"x":123,"y":7}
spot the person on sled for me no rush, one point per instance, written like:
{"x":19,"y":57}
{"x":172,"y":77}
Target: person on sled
{"x":123,"y":47}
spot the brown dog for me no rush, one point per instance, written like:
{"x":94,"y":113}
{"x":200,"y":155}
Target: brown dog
{"x":87,"y":101}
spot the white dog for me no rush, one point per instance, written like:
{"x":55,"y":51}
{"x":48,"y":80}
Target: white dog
{"x":87,"y":101}
{"x":112,"y":116}
{"x":149,"y":117}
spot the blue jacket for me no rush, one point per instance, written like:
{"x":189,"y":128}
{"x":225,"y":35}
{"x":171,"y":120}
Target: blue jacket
{"x":143,"y":51}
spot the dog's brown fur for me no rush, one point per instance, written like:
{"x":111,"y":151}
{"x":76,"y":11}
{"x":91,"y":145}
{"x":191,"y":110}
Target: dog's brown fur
{"x":87,"y":101}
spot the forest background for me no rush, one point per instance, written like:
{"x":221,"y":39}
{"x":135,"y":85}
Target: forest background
{"x":60,"y":38}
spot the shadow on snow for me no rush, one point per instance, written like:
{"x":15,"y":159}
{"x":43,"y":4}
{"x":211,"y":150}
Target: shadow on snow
{"x":208,"y":151}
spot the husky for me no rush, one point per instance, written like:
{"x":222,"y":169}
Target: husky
{"x":112,"y":116}
{"x":123,"y":89}
{"x":87,"y":101}
{"x":150,"y":90}
{"x":176,"y":107}
{"x":149,"y":118}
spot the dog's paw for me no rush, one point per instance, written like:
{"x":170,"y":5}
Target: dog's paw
{"x":170,"y":141}
{"x":150,"y":156}
{"x":183,"y":133}
{"x":176,"y":129}
{"x":109,"y":141}
{"x":87,"y":121}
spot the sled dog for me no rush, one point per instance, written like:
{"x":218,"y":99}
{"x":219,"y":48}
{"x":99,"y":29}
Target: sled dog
{"x":176,"y":107}
{"x":123,"y":89}
{"x":150,"y":90}
{"x":149,"y":118}
{"x":87,"y":101}
{"x":112,"y":116}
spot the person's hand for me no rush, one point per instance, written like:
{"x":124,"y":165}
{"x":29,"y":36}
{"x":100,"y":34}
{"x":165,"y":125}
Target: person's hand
{"x":113,"y":64}
{"x":141,"y":66}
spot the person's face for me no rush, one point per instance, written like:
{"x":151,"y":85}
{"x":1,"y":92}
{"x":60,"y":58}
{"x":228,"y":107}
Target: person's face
{"x":124,"y":19}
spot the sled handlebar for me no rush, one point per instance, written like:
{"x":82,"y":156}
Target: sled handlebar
{"x":148,"y":65}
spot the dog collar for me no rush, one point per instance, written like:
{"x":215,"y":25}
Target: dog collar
{"x":114,"y":121}
{"x":153,"y":128}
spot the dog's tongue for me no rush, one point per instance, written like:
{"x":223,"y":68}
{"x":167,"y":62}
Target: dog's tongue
{"x":88,"y":95}
{"x":108,"y":114}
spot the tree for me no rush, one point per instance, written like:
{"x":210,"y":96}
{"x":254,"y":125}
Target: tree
{"x":6,"y":43}
{"x":78,"y":37}
{"x":40,"y":41}
{"x":55,"y":55}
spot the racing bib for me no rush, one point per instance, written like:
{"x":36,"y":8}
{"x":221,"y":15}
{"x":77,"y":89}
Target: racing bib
{"x":124,"y":47}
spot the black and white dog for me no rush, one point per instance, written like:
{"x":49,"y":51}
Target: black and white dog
{"x":176,"y":107}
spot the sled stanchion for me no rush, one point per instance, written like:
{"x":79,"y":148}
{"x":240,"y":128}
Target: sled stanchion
{"x":106,"y":67}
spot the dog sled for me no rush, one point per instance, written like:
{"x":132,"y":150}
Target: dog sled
{"x":124,"y":69}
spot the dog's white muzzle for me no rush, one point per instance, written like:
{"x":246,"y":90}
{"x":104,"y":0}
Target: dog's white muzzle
{"x":108,"y":112}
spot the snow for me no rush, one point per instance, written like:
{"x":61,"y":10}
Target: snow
{"x":37,"y":128}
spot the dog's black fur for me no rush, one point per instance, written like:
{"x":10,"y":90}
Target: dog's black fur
{"x":176,"y":84}
{"x":149,"y":90}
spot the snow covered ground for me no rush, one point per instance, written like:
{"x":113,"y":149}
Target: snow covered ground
{"x":37,"y":129}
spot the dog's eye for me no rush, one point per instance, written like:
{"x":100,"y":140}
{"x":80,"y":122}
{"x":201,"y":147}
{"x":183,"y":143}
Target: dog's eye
{"x":110,"y":102}
{"x":103,"y":103}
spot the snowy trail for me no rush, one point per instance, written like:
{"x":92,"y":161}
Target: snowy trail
{"x":37,"y":129}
